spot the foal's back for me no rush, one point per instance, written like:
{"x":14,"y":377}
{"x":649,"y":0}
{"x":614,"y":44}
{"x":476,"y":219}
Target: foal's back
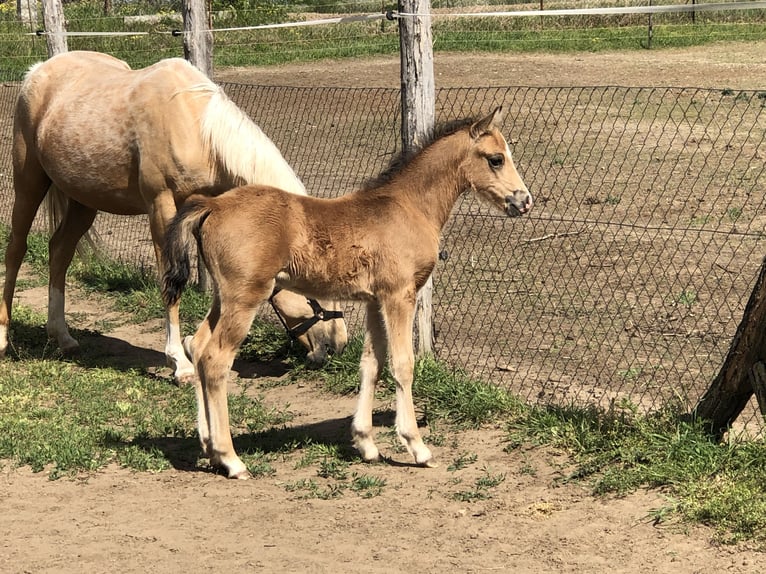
{"x":350,"y":247}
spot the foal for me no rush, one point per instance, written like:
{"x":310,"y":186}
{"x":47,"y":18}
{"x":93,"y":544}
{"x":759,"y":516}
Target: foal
{"x":377,"y":245}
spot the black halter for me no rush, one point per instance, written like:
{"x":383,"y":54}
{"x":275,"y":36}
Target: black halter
{"x":320,"y":314}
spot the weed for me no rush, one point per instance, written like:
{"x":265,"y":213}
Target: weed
{"x":687,"y":297}
{"x":481,"y":488}
{"x":462,"y":461}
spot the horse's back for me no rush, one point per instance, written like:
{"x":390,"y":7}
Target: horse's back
{"x":97,"y":127}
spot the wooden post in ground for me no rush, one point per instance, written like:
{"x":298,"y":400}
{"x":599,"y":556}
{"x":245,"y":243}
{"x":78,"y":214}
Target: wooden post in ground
{"x":26,"y":11}
{"x":198,"y":49}
{"x":198,"y":39}
{"x":743,"y":370}
{"x":418,"y":111}
{"x":55,"y":30}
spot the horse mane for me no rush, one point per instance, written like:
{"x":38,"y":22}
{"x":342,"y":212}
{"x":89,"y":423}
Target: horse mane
{"x":405,"y":157}
{"x":240,"y":148}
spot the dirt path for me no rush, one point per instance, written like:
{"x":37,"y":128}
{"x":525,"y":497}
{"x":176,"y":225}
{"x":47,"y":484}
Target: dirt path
{"x":191,"y":521}
{"x":727,"y":65}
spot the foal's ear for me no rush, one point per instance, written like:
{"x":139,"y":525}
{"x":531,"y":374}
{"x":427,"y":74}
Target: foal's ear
{"x":485,"y":124}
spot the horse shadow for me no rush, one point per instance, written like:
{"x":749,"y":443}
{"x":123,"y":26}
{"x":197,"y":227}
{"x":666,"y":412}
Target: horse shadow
{"x":98,"y":350}
{"x":183,"y":453}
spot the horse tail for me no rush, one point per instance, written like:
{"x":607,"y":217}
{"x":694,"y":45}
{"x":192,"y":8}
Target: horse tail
{"x":180,"y":236}
{"x":56,"y":205}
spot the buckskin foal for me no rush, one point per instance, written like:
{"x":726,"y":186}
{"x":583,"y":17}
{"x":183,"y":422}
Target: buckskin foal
{"x":377,"y":245}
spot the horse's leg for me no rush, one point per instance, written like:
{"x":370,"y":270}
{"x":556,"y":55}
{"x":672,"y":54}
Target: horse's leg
{"x":213,"y":365}
{"x":398,"y":314}
{"x":31,"y":184}
{"x":162,"y":211}
{"x":370,"y":368}
{"x":62,"y":246}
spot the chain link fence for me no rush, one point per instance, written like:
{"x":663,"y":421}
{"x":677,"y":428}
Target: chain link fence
{"x":628,"y":279}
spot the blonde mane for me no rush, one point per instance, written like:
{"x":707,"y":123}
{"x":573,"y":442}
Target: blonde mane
{"x":233,"y":138}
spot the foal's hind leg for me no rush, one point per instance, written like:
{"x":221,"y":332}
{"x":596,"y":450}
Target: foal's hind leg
{"x":370,"y":368}
{"x":213,"y":365}
{"x":31,"y":184}
{"x":398,"y":314}
{"x":63,"y":243}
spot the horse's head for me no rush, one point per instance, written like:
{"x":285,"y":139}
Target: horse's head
{"x":490,"y":171}
{"x":324,"y":335}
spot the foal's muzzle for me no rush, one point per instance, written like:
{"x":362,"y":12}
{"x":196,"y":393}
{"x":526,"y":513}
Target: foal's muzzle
{"x":519,"y":203}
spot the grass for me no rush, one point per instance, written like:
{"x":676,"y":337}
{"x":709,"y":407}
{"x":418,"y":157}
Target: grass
{"x":441,"y":392}
{"x":717,"y":484}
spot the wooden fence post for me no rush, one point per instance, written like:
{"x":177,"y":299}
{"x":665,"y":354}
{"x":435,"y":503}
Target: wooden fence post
{"x":418,"y":111}
{"x":53,"y":18}
{"x":198,"y":49}
{"x":733,"y":386}
{"x":26,"y":11}
{"x":198,"y":39}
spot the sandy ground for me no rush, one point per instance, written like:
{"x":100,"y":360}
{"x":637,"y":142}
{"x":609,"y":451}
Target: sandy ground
{"x":737,"y":66}
{"x":192,"y":520}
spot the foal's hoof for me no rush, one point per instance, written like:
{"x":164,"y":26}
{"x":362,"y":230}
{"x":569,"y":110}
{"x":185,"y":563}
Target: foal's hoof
{"x":430,"y":463}
{"x":185,"y":380}
{"x":241,"y":475}
{"x":70,"y":350}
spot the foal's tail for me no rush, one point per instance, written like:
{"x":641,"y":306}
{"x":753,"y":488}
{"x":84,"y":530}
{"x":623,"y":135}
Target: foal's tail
{"x":180,"y":236}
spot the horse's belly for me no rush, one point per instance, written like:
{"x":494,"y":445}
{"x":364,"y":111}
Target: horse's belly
{"x":113,"y":195}
{"x":119,"y":202}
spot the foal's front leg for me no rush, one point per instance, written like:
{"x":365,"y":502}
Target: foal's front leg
{"x":370,"y":368}
{"x":398,"y":314}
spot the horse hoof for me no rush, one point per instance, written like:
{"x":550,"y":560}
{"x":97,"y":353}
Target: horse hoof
{"x":430,"y":463}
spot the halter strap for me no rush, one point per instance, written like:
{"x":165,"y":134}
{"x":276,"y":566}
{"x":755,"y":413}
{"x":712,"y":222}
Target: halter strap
{"x":320,"y":314}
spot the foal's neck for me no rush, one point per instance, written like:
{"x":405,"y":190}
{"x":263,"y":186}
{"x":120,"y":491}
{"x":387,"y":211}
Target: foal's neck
{"x":434,"y":180}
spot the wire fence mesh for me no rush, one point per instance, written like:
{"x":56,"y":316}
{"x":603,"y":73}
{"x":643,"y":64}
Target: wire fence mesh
{"x":627,"y":280}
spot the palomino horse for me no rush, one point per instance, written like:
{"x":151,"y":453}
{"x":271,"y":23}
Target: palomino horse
{"x":377,"y":245}
{"x":104,"y":137}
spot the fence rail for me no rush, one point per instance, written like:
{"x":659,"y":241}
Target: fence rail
{"x":630,"y":276}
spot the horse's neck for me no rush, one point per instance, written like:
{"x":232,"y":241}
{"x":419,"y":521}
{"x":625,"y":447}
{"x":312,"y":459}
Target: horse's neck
{"x":242,"y":152}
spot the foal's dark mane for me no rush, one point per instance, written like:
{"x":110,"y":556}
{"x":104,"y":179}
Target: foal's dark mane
{"x":405,"y":157}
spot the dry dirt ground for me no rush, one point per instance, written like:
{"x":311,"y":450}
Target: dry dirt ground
{"x":193,"y":520}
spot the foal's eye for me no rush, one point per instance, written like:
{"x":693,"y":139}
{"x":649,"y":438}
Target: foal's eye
{"x":496,"y":161}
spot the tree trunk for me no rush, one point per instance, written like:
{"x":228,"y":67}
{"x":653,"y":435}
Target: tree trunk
{"x":731,"y":390}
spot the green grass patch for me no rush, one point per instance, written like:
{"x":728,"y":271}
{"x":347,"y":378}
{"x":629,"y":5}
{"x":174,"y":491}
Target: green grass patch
{"x":718,"y":484}
{"x":358,"y":39}
{"x":440,"y":391}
